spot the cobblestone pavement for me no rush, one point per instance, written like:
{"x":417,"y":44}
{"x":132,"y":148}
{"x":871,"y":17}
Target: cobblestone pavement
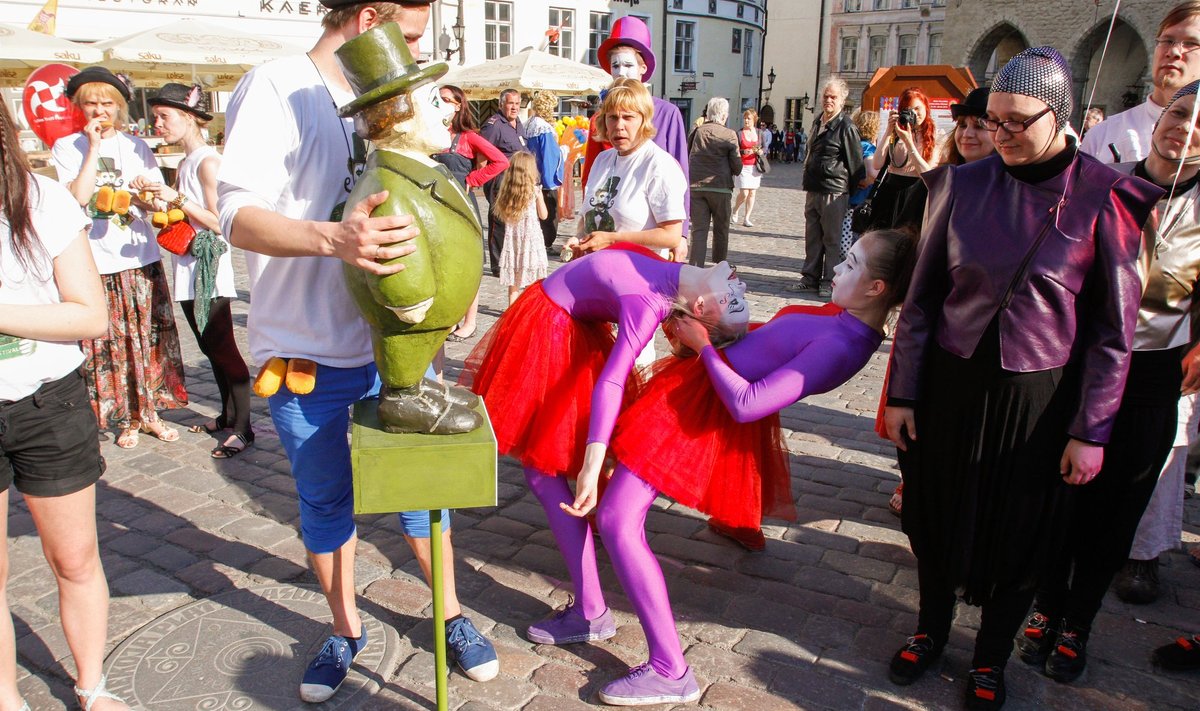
{"x":809,"y":624}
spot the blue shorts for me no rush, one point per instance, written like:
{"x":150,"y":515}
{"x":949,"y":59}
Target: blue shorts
{"x":313,"y":429}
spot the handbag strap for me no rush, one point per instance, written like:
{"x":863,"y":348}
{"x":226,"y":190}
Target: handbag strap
{"x":887,"y":161}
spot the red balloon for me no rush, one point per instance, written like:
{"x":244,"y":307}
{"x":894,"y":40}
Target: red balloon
{"x":50,"y":113}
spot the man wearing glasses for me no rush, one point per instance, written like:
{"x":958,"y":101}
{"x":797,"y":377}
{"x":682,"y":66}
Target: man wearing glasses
{"x":1176,"y":64}
{"x":1125,"y":137}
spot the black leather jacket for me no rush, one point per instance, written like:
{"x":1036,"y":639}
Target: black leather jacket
{"x":834,"y":163}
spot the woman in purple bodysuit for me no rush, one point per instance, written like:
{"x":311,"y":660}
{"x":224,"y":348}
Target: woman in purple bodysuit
{"x":706,"y":433}
{"x":555,"y":378}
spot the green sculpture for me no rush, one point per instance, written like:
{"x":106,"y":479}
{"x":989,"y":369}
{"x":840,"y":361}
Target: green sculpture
{"x":399,"y":110}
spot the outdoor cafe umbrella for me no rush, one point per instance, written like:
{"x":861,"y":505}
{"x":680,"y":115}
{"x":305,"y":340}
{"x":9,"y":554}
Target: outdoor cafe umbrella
{"x":188,"y":51}
{"x":22,"y":51}
{"x":528,"y":70}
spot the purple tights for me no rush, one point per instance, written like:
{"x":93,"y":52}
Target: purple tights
{"x":621,"y":519}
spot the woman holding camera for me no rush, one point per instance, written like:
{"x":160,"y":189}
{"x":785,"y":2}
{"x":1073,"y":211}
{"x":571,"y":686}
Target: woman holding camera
{"x":910,"y":148}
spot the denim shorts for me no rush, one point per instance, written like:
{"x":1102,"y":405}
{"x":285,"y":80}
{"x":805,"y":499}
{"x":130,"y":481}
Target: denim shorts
{"x":313,"y":429}
{"x":49,"y":441}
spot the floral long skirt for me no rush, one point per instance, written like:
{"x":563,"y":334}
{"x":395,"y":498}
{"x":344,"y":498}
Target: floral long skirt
{"x":137,"y":368}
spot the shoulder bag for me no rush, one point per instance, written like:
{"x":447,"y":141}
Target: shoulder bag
{"x":861,"y":216}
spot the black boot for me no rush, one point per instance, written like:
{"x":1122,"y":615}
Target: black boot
{"x":1069,"y":657}
{"x":1137,"y":583}
{"x":1036,"y":639}
{"x":407,"y":410}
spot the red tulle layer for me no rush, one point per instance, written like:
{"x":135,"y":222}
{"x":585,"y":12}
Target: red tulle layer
{"x":680,"y":439}
{"x":536,"y":369}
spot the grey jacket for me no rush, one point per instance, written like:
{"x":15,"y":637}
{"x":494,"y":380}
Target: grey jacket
{"x":713,"y":157}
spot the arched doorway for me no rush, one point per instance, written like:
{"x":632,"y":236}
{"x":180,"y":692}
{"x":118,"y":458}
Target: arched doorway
{"x":994,"y":49}
{"x":1121,"y":82}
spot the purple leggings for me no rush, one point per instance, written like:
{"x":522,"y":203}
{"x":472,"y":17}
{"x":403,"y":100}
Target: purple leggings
{"x":621,"y":519}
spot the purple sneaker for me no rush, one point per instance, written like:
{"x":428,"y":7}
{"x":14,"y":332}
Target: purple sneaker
{"x":568,"y":625}
{"x":643,"y":686}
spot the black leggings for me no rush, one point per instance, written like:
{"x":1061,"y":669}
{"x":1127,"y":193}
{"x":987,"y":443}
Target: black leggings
{"x":229,"y":369}
{"x":1002,"y":617}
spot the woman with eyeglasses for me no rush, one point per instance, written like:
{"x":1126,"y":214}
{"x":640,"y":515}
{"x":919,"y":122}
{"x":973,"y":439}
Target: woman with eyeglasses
{"x":1107,"y":512}
{"x":1010,"y":355}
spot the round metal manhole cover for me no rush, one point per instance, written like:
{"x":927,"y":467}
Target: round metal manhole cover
{"x":242,"y":650}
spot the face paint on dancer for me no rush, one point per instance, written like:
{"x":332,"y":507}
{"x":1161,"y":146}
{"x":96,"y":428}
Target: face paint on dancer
{"x":725,"y":303}
{"x":853,"y":285}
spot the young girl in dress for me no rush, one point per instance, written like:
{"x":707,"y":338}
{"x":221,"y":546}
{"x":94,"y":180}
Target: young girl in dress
{"x":520,"y":206}
{"x":706,"y":432}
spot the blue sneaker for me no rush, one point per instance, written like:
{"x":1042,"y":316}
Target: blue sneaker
{"x":473,"y":653}
{"x":329,"y":668}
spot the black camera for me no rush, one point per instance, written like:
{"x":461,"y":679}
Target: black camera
{"x":907,"y":118}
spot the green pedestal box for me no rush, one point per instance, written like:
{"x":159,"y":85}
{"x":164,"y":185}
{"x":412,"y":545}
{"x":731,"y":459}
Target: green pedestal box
{"x":408,"y":472}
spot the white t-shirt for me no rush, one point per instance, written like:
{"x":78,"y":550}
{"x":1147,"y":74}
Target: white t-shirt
{"x":188,"y":183}
{"x":286,"y":151}
{"x":26,"y":363}
{"x":639,"y":191}
{"x":1130,"y":131}
{"x":116,"y":247}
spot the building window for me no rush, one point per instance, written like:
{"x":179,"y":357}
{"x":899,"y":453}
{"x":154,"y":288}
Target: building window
{"x":909,"y":3}
{"x":908,"y":50}
{"x":712,"y":7}
{"x":497,"y":28}
{"x":599,"y":26}
{"x":852,"y":5}
{"x":741,"y":10}
{"x":676,"y":4}
{"x":881,"y":4}
{"x":685,"y":38}
{"x":935,"y":48}
{"x":737,"y":41}
{"x":748,"y":53}
{"x":878,"y":55}
{"x":849,"y":54}
{"x":564,"y":20}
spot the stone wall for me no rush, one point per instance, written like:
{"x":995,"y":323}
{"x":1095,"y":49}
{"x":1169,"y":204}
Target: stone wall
{"x":975,"y":28}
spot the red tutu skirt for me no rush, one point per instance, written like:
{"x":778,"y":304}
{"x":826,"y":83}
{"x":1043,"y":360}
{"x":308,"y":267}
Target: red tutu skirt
{"x":536,"y":369}
{"x":679,"y":438}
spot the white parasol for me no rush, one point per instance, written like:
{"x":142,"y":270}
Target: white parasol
{"x":22,"y":51}
{"x":189,"y":51}
{"x":528,"y":70}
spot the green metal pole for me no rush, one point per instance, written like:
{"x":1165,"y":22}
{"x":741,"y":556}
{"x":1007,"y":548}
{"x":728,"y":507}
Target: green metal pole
{"x":439,"y":612}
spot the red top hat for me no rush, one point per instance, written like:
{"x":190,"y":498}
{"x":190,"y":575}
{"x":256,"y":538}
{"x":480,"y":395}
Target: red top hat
{"x":629,"y":32}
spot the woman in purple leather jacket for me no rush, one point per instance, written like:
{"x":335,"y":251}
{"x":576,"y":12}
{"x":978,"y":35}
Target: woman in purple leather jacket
{"x":1011,"y":353}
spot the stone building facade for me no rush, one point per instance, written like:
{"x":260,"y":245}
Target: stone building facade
{"x":983,"y":34}
{"x":866,"y":35}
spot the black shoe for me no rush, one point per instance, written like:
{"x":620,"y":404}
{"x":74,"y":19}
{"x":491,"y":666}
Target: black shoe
{"x":1069,"y":657}
{"x":1137,"y":583}
{"x":802,"y":286}
{"x":1037,"y":639}
{"x":408,"y":410}
{"x":1181,"y":655}
{"x":985,"y":689}
{"x":911,"y":661}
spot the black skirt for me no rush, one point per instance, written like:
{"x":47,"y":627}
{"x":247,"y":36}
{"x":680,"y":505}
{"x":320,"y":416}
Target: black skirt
{"x":890,"y":201}
{"x":984,"y":502}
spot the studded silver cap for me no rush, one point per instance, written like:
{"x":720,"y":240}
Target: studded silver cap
{"x":1040,"y":72}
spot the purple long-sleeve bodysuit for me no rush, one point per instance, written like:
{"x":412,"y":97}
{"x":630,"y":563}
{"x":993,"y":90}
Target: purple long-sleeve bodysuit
{"x":622,"y":287}
{"x":635,"y":292}
{"x":789,"y":358}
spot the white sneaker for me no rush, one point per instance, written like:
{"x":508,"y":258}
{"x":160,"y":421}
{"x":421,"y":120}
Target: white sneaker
{"x":748,"y":223}
{"x":733,"y":220}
